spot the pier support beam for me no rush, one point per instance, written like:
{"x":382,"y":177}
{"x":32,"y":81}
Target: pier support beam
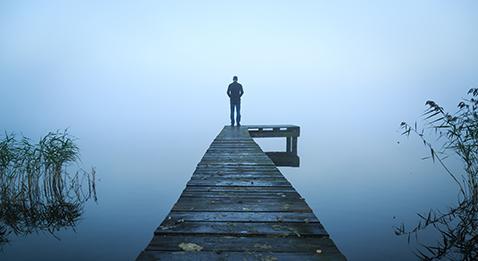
{"x":288,"y":144}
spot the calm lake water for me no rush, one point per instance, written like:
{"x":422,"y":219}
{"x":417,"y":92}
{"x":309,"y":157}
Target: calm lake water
{"x":358,"y":190}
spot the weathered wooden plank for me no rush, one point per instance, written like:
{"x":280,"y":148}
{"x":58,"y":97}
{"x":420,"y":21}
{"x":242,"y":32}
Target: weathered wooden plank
{"x":228,"y":155}
{"x":254,"y":194}
{"x":242,"y":228}
{"x":234,"y":169}
{"x":271,"y":126}
{"x":238,"y":165}
{"x":233,"y":164}
{"x":243,"y":175}
{"x":239,"y":177}
{"x":236,"y":145}
{"x":220,"y":207}
{"x":238,"y":170}
{"x":238,"y":256}
{"x":272,"y":134}
{"x":232,"y":178}
{"x":238,"y":201}
{"x":224,"y":155}
{"x":238,"y":183}
{"x":250,"y":167}
{"x":275,"y":217}
{"x":230,"y":149}
{"x":237,"y":160}
{"x":244,"y":243}
{"x":241,"y":204}
{"x":236,"y":188}
{"x":230,"y":152}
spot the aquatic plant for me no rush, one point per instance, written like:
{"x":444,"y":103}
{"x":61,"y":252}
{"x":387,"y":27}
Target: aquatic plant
{"x":36,"y":190}
{"x":457,"y":226}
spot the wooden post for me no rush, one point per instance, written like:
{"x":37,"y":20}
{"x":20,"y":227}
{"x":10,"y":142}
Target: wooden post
{"x":294,"y":145}
{"x":288,"y":144}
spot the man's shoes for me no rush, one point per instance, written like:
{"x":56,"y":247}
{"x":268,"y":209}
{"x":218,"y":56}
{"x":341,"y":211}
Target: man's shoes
{"x":232,"y":124}
{"x":238,"y":125}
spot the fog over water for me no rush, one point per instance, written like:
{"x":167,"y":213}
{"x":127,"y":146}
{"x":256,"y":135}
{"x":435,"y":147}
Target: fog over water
{"x":142,"y":85}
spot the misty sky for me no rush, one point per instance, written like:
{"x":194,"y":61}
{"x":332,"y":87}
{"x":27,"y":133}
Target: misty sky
{"x":139,"y":63}
{"x":133,"y":72}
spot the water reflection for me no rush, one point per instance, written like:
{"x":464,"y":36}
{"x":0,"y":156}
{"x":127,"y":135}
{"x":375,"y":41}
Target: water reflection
{"x":38,"y":192}
{"x":288,"y":158}
{"x":284,"y":159}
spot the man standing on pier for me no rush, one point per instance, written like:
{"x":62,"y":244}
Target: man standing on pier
{"x":234,"y":91}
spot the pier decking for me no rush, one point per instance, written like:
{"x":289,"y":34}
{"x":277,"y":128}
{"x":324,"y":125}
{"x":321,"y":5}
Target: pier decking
{"x":238,"y":206}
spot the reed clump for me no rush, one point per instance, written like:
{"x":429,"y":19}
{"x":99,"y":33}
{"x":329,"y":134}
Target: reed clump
{"x":457,"y":227}
{"x":36,"y":190}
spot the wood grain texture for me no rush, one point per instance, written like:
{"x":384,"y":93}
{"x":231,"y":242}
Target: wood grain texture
{"x":238,"y":206}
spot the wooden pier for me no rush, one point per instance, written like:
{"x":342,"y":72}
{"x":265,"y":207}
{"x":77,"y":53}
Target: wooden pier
{"x":238,"y":206}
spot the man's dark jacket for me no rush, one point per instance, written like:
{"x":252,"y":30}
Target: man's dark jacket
{"x":234,"y":91}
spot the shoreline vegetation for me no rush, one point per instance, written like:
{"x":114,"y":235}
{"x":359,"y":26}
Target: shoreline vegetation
{"x":38,"y":192}
{"x":457,"y":227}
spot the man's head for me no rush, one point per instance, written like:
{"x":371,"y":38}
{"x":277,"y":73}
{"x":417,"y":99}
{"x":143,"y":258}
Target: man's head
{"x":234,"y":78}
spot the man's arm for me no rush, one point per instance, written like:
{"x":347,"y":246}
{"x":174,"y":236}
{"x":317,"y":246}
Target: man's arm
{"x":241,"y":92}
{"x":229,"y":91}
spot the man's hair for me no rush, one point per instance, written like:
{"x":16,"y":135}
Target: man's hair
{"x":234,"y":78}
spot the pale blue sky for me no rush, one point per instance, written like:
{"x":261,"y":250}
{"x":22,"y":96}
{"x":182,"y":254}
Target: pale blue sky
{"x":114,"y":59}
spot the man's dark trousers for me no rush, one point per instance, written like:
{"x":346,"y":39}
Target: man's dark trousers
{"x":237,"y":105}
